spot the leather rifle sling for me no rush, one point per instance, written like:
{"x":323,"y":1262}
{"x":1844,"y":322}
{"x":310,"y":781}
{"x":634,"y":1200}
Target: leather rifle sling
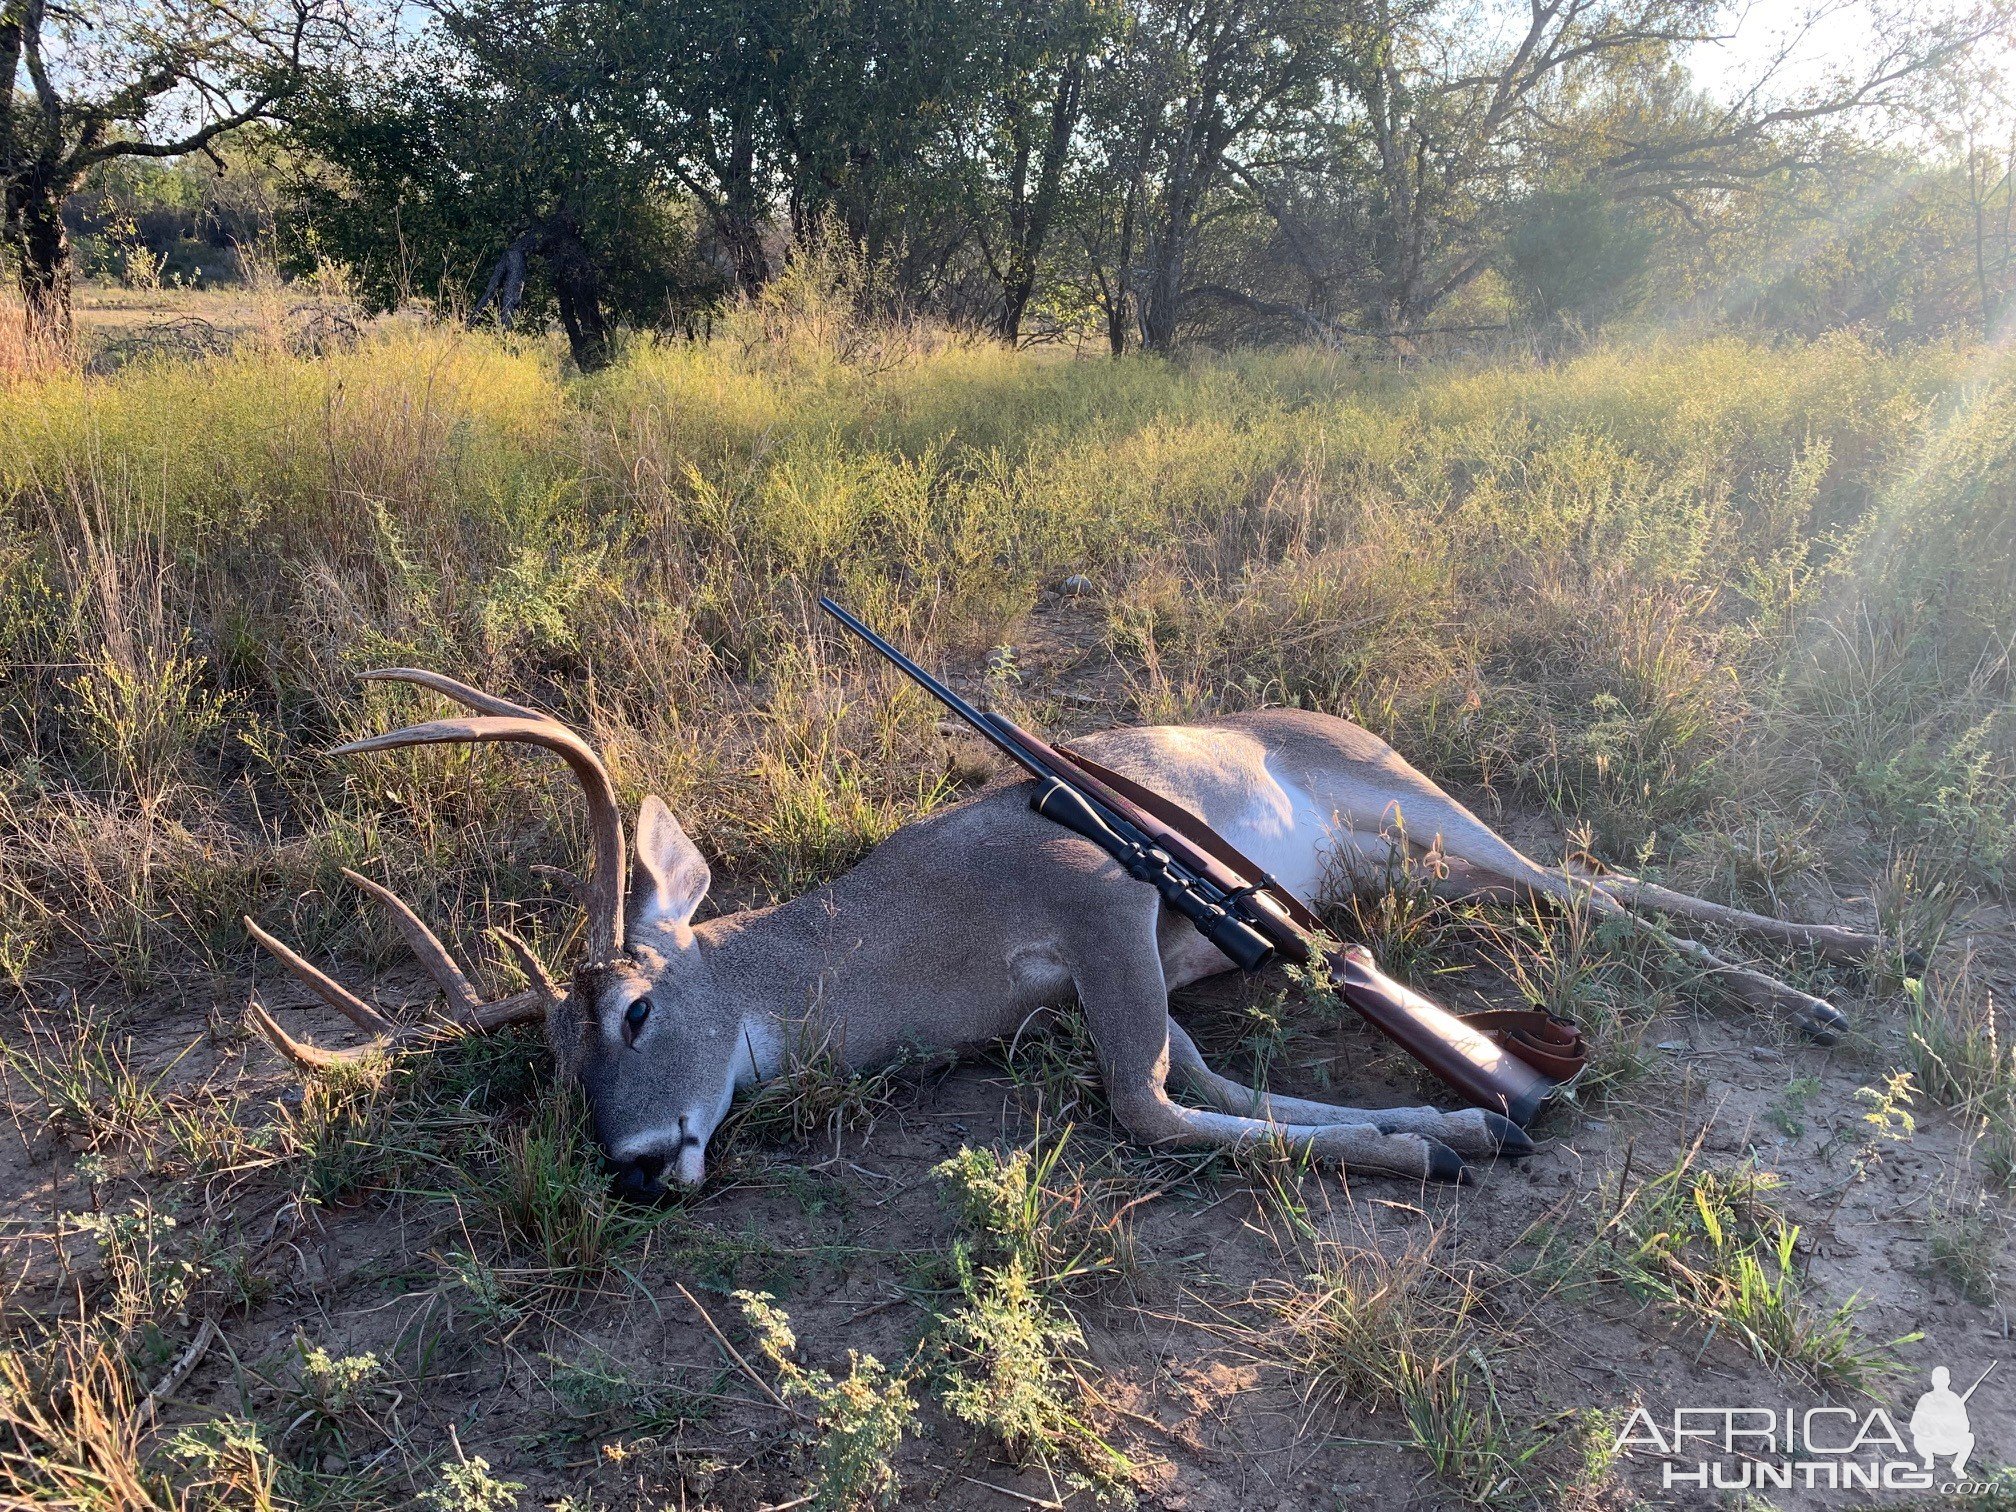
{"x":1467,"y":1051}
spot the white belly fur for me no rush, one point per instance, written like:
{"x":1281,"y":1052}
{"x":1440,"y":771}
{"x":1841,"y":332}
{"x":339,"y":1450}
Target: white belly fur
{"x":1281,"y":830}
{"x":1286,"y":834}
{"x":1335,"y":832}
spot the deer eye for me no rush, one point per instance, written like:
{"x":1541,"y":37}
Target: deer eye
{"x":633,"y":1019}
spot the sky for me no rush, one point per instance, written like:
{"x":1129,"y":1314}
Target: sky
{"x":1760,"y":28}
{"x":1833,"y":37}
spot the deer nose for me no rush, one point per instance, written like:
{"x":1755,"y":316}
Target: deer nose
{"x":641,"y":1175}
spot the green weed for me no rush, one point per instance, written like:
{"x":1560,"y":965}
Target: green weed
{"x":859,"y":1420}
{"x":1708,"y":1243}
{"x":1031,"y":1229}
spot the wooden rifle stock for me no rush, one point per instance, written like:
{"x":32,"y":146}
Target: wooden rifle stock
{"x":1490,"y":1074}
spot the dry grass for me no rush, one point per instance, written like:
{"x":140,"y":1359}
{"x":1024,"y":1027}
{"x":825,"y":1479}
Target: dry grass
{"x":1363,"y":1329}
{"x":1740,"y":612}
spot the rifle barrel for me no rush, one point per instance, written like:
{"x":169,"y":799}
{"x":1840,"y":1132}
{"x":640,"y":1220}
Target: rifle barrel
{"x":939,"y":691}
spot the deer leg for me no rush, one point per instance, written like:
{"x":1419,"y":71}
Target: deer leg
{"x":1126,"y":1001}
{"x":1827,"y":940}
{"x":1480,"y":850}
{"x":1472,"y":1131}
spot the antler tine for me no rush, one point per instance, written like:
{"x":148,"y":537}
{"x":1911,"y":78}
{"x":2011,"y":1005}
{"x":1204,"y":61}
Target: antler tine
{"x":461,"y":692}
{"x":529,"y":963}
{"x":307,"y":1057}
{"x":605,"y":910}
{"x":476,"y":1017}
{"x":427,"y":946}
{"x":331,"y":991}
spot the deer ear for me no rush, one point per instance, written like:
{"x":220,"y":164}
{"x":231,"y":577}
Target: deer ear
{"x":669,"y":876}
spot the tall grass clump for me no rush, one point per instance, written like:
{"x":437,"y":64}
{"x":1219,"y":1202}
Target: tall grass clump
{"x":1620,"y":585}
{"x":1907,"y":664}
{"x":1379,"y":1332}
{"x":1708,"y":1243}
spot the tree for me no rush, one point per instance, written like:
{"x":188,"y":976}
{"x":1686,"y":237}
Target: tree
{"x":496,"y":141}
{"x":1439,"y":134}
{"x":868,"y":118}
{"x":1029,"y":108}
{"x":701,"y":83}
{"x":1218,"y":72}
{"x":1971,"y":110}
{"x":126,"y":79}
{"x":1109,"y":185}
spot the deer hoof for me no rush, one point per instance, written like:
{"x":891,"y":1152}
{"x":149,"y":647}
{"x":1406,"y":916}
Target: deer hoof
{"x":1822,"y":1022}
{"x":1444,"y":1164}
{"x":1512,"y":1141}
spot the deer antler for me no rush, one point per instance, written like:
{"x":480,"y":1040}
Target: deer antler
{"x":504,"y":720}
{"x":468,"y":1013}
{"x":601,"y":895}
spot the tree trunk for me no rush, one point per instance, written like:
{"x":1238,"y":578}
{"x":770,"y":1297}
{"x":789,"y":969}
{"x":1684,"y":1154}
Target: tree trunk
{"x":41,"y":247}
{"x":1116,"y":317}
{"x":1017,"y":278}
{"x":1029,"y":221}
{"x":578,"y":289}
{"x":1117,"y":309}
{"x":1190,"y":166}
{"x":741,"y":232}
{"x":507,"y":282}
{"x":739,"y":223}
{"x":1165,"y":276}
{"x":1165,"y":288}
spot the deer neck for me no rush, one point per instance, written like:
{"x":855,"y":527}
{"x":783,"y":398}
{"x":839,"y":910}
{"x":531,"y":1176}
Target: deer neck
{"x":815,"y":974}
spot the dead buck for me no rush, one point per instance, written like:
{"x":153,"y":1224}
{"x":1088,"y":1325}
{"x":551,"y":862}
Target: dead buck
{"x":961,"y":925}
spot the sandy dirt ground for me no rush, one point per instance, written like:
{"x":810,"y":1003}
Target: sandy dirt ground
{"x":849,"y":1232}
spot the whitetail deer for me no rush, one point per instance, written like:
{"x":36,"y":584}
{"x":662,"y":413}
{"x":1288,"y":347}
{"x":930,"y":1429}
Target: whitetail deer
{"x":952,"y":932}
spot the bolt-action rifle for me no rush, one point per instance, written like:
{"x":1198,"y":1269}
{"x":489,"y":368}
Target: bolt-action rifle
{"x":1507,"y":1060}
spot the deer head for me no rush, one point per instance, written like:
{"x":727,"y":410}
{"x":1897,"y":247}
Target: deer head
{"x":656,"y":1045}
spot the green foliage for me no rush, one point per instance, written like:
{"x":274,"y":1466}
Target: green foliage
{"x":1642,"y":587}
{"x":1009,"y":1350}
{"x":467,"y":1485}
{"x":1707,"y":1242}
{"x":1030,"y":1230}
{"x":177,"y":224}
{"x":860,"y":1420}
{"x":1578,"y":254}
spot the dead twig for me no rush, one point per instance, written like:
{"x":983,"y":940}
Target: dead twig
{"x":736,"y":1355}
{"x":178,"y":1372}
{"x":1021,"y":1496}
